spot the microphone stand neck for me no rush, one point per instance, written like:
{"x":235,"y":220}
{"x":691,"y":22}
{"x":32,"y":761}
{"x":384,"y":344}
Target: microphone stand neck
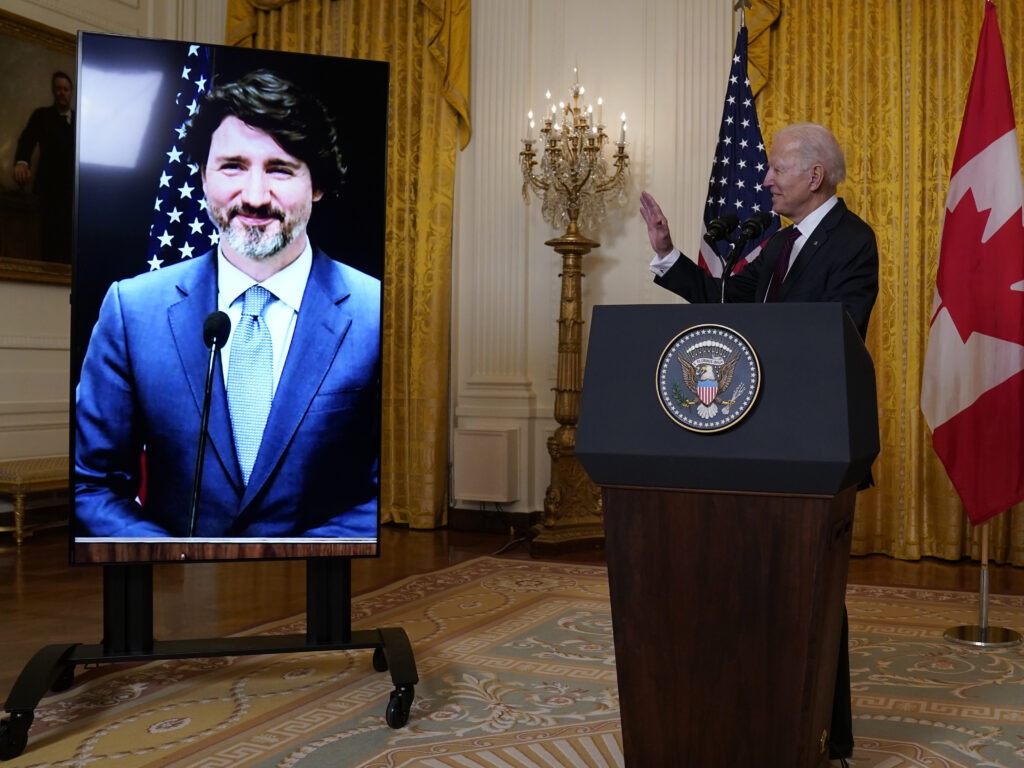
{"x":197,"y":481}
{"x":738,"y":246}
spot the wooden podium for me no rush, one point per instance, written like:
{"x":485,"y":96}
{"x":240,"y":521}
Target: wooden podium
{"x":728,"y":551}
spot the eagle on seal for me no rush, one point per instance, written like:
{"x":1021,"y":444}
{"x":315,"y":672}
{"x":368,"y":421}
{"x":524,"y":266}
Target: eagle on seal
{"x":707,"y":381}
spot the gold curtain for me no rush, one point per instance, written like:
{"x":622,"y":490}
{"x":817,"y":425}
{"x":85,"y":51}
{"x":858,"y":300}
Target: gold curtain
{"x":759,"y":20}
{"x":427,"y":44}
{"x":890,"y":78}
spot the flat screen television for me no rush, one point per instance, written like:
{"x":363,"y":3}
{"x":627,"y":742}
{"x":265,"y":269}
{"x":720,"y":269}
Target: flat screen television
{"x":201,"y":170}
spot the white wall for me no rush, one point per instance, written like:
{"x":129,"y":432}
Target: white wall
{"x":35,"y":324}
{"x":35,"y":319}
{"x":200,"y":21}
{"x":662,"y":62}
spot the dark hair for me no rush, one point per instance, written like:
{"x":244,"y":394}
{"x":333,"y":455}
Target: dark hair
{"x":58,"y":74}
{"x":295,"y":119}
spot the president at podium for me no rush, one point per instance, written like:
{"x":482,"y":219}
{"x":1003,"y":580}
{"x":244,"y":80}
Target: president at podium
{"x":827,"y":254}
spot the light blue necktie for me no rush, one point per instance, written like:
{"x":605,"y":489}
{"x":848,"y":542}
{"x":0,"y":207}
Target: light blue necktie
{"x":251,"y":377}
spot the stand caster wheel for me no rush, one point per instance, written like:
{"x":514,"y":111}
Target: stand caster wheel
{"x":380,"y":660}
{"x":14,"y":734}
{"x":399,"y":705}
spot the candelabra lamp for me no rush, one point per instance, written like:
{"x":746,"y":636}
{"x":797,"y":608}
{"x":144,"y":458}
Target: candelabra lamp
{"x":566,"y":168}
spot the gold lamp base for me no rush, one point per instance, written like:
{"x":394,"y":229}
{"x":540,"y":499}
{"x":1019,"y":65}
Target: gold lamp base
{"x":573,"y":512}
{"x":573,"y":517}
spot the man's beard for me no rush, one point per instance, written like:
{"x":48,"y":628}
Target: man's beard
{"x":256,"y":243}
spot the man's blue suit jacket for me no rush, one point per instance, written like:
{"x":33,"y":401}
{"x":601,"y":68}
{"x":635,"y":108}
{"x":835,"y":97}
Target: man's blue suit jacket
{"x":142,"y":387}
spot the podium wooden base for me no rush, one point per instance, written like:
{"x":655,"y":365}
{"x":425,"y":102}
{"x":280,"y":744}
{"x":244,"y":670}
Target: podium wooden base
{"x":727,"y":611}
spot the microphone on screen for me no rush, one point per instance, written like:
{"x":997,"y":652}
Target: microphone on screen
{"x":216,"y":329}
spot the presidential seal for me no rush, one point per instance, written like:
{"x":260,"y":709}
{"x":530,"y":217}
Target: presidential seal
{"x":708,"y":378}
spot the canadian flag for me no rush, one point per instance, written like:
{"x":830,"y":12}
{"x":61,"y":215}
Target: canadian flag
{"x":972,"y":393}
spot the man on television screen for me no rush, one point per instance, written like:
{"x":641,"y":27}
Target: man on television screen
{"x":293,"y":435}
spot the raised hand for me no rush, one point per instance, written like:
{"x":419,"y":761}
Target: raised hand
{"x":657,"y":225}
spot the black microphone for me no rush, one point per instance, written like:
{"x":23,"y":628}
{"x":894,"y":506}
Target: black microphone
{"x":721,"y":227}
{"x":750,"y":229}
{"x":216,"y":329}
{"x":755,"y":226}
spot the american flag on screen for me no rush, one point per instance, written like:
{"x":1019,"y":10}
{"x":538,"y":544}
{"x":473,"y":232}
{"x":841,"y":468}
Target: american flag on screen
{"x":739,"y":166}
{"x":181,"y":227}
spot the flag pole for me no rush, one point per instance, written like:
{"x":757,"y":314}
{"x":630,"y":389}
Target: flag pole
{"x":982,"y":635}
{"x":741,"y":6}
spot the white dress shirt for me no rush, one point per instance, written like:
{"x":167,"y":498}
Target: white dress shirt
{"x":288,"y":285}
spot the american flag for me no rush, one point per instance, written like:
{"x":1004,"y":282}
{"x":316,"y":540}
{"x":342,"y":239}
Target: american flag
{"x":739,"y":166}
{"x":181,"y":227}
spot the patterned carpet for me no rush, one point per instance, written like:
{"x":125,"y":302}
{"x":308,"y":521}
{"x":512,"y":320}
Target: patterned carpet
{"x":517,"y":670}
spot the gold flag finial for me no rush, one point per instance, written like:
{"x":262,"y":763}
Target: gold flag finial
{"x":741,"y":6}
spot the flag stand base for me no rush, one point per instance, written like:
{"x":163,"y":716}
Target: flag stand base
{"x":982,"y":635}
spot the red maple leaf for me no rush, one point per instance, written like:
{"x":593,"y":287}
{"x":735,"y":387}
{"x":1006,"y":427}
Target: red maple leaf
{"x":975,"y":278}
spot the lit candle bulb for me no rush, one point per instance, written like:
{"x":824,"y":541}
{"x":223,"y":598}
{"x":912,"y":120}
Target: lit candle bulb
{"x":622,"y":133}
{"x":529,"y":125}
{"x":600,"y":111}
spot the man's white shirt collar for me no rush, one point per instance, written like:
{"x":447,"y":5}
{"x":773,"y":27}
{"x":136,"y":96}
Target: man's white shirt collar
{"x":288,"y":285}
{"x":813,"y":219}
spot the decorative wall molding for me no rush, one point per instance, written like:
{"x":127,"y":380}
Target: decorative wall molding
{"x":25,"y":341}
{"x":33,"y":415}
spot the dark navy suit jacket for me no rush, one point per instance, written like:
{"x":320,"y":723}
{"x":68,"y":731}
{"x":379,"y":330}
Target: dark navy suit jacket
{"x":55,"y":137}
{"x":142,"y":386}
{"x":838,"y":262}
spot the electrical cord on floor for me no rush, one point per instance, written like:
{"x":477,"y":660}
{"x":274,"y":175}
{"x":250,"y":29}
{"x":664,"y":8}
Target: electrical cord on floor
{"x":507,"y":546}
{"x":513,"y":538}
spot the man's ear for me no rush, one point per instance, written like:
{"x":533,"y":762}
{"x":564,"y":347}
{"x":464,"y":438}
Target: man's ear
{"x":317,"y":194}
{"x":817,"y":177}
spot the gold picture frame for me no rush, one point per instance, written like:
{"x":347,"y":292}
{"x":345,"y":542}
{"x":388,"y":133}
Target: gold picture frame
{"x":30,"y":52}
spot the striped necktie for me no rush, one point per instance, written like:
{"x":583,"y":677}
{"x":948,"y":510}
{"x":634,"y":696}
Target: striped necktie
{"x":251,"y":377}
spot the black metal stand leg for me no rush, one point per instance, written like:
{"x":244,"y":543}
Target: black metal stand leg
{"x":328,"y":600}
{"x":128,"y":636}
{"x":47,"y":670}
{"x":329,"y":620}
{"x":128,"y":609}
{"x":399,"y":657}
